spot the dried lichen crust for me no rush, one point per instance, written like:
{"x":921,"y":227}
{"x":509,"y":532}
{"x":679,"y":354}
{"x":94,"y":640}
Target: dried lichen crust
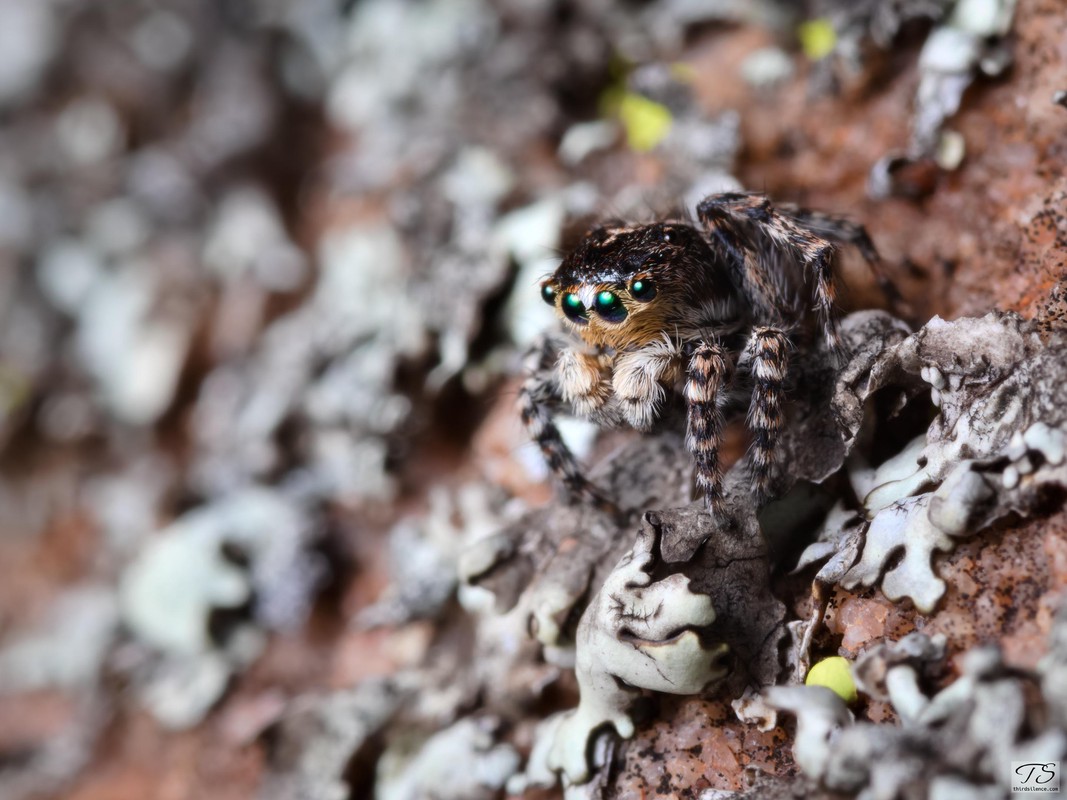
{"x":650,"y":627}
{"x":637,"y":633}
{"x":553,"y":558}
{"x":962,"y":741}
{"x":996,"y":446}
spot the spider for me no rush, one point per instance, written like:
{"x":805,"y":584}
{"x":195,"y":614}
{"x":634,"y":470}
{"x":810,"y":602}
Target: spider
{"x":671,"y":306}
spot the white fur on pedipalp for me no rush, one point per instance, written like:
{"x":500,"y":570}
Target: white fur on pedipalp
{"x":582,"y":381}
{"x":640,"y":374}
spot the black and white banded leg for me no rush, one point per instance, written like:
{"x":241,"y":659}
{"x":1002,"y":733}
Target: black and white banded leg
{"x":706,"y":373}
{"x":767,"y":355}
{"x":538,"y":396}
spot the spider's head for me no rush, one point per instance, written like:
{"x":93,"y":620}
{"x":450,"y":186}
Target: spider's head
{"x":617,"y":286}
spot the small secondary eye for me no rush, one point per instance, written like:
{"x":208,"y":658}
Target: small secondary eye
{"x":548,"y":294}
{"x":573,"y":308}
{"x":642,"y":290}
{"x":610,"y":307}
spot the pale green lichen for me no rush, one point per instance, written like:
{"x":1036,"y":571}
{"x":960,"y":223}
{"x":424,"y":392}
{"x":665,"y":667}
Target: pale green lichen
{"x":637,"y":633}
{"x":461,"y":762}
{"x":993,"y":716}
{"x":997,"y":439}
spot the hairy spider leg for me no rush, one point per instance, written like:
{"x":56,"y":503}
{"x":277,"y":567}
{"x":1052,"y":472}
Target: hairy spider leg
{"x":767,"y":352}
{"x":852,"y":233}
{"x":706,"y":375}
{"x":538,"y":395}
{"x":725,"y":214}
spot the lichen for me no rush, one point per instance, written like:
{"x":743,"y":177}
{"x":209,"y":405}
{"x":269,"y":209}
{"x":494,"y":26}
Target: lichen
{"x":463,"y":762}
{"x":315,"y":744}
{"x":250,"y":556}
{"x":995,"y":447}
{"x":424,"y":551}
{"x":957,"y":742}
{"x":637,"y":633}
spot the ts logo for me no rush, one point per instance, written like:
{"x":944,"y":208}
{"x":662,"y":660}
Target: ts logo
{"x":1035,"y":776}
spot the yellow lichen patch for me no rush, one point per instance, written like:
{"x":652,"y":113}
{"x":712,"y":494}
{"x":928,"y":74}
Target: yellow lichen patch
{"x":835,"y":674}
{"x":645,"y":121}
{"x":817,"y":38}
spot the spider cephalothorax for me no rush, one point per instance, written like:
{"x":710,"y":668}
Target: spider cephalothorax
{"x":670,"y":306}
{"x":623,"y":286}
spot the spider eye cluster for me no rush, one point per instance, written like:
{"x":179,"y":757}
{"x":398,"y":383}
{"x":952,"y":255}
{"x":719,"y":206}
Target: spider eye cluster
{"x":608,"y":303}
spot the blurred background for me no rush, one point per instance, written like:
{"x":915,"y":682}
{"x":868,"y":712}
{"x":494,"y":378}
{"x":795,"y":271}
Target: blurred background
{"x":268,"y":267}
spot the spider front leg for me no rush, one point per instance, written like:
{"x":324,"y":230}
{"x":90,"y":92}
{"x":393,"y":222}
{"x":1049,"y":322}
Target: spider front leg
{"x":708,"y":366}
{"x":767,"y":356}
{"x":639,"y":380}
{"x":539,"y":394}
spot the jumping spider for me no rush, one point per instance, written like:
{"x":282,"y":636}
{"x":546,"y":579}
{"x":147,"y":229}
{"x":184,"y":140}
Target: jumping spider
{"x":670,"y":306}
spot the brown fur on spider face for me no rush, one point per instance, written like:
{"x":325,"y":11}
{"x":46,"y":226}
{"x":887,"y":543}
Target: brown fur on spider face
{"x":676,"y":307}
{"x":623,"y":285}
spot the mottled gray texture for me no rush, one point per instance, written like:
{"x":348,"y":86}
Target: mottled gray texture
{"x":995,"y":447}
{"x":313,"y":747}
{"x":959,"y":742}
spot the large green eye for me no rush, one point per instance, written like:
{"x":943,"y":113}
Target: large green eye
{"x":548,"y":294}
{"x":574,"y":309}
{"x":610,"y":307}
{"x":642,"y":290}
